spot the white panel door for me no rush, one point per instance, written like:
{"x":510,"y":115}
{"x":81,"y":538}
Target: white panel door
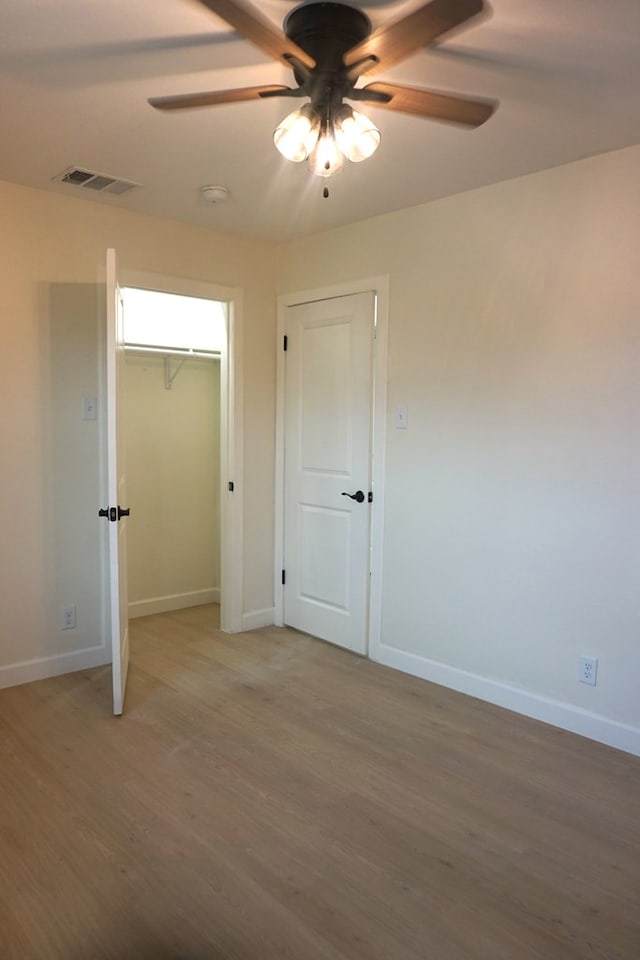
{"x":116,"y":487}
{"x":328,"y":404}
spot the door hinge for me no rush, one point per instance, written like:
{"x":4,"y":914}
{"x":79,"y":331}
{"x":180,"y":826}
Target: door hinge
{"x":285,"y":342}
{"x":284,"y":578}
{"x":230,"y":486}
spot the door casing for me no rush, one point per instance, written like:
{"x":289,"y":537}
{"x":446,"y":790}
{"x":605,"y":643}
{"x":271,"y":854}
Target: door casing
{"x":380,"y":286}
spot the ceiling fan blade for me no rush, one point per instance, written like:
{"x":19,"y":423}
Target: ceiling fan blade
{"x":389,"y":45}
{"x":187,"y":100}
{"x":428,"y":103}
{"x":254,"y":27}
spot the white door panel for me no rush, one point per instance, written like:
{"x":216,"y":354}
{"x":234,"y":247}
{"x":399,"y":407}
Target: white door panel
{"x":116,"y":485}
{"x":328,"y":394}
{"x":324,"y":385}
{"x":325,"y":533}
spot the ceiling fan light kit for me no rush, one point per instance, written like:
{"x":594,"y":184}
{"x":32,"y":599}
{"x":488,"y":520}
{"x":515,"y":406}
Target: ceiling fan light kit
{"x":326,"y":158}
{"x":329,"y":47}
{"x":325,"y":141}
{"x":298,"y":134}
{"x":356,"y":135}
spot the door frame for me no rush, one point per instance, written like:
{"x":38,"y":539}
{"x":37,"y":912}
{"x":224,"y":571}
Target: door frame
{"x":231,"y":432}
{"x":379,"y":285}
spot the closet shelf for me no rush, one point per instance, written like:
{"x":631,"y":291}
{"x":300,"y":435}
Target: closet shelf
{"x":169,"y":353}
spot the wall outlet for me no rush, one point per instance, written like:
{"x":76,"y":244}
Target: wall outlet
{"x":588,"y":670}
{"x":68,"y":617}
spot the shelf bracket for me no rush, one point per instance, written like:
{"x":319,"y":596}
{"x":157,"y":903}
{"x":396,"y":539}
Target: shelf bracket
{"x":170,"y":375}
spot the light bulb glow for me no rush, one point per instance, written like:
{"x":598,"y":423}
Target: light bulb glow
{"x":357,"y":137}
{"x":326,"y":157}
{"x":326,"y":136}
{"x":297,"y":135}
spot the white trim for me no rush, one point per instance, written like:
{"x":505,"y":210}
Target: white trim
{"x":176,"y":601}
{"x":378,"y":469}
{"x":231,"y":432}
{"x":555,"y":712}
{"x":29,"y":670}
{"x":380,"y":286}
{"x":183,"y":286}
{"x":232,"y":470}
{"x":255,"y":619}
{"x":278,"y":519}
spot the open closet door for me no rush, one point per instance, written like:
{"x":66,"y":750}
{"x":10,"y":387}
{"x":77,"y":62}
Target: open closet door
{"x":116,"y":512}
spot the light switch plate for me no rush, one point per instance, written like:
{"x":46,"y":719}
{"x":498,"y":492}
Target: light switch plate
{"x":402,"y":417}
{"x":89,"y":408}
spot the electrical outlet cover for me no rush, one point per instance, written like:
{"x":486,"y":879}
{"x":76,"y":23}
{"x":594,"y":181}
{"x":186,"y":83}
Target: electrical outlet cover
{"x":588,"y":670}
{"x":68,"y":618}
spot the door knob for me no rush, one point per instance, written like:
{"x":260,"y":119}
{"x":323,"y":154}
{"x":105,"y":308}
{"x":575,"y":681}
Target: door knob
{"x":358,"y":496}
{"x":114,"y":514}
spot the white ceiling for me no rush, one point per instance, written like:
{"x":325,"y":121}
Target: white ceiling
{"x":76,"y":75}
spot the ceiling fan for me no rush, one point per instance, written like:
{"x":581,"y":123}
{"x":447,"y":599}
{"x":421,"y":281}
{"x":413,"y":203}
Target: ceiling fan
{"x":329,"y":46}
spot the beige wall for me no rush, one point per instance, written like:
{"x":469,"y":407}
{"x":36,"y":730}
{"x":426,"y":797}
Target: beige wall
{"x":173,"y":483}
{"x":51,"y":250}
{"x":512,"y":528}
{"x":511,"y":517}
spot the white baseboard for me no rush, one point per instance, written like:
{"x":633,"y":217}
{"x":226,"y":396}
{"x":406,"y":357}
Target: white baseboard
{"x":28,"y":670}
{"x":255,"y":619}
{"x":174,"y":601}
{"x":555,"y":712}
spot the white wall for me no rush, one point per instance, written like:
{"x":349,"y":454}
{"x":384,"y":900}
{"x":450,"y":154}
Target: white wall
{"x":511,"y":538}
{"x":173,"y":483}
{"x":51,"y":250}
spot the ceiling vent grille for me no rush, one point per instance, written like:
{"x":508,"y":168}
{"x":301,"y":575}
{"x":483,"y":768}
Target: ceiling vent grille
{"x":98,"y":182}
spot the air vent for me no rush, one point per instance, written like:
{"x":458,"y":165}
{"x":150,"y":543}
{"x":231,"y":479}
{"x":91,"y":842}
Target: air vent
{"x":98,"y":182}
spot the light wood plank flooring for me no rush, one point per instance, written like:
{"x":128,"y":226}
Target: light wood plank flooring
{"x":270,"y":796}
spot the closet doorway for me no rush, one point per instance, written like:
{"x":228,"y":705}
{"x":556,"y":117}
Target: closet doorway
{"x":179,"y":443}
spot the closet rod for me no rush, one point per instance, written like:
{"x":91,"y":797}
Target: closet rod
{"x":173,"y":351}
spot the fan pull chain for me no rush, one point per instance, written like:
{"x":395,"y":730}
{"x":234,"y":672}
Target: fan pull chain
{"x":327,"y":166}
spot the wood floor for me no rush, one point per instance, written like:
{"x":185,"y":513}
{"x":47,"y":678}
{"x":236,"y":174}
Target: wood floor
{"x":269,"y":796}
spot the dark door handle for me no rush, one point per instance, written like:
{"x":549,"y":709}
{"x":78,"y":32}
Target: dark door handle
{"x":358,"y":496}
{"x":113,"y":514}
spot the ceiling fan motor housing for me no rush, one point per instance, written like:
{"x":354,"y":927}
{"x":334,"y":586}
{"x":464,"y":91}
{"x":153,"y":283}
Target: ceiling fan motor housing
{"x":326,"y":31}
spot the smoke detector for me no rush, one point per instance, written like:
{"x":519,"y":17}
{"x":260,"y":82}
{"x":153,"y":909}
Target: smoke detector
{"x":214,"y":194}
